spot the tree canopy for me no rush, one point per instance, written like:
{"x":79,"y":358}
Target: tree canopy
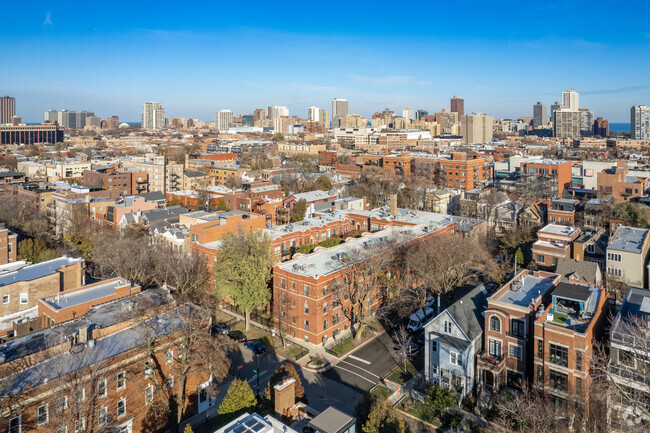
{"x":240,"y":397}
{"x":243,"y":271}
{"x":383,"y":418}
{"x":299,"y":210}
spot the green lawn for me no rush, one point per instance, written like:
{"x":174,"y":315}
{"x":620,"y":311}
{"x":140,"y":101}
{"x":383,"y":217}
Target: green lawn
{"x":560,"y":317}
{"x":381,"y":392}
{"x":400,"y":376}
{"x":419,"y":410}
{"x":342,"y":346}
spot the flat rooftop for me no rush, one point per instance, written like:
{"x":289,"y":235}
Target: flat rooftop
{"x":92,"y":292}
{"x":558,"y":230}
{"x":527,"y":289}
{"x":405,"y":215}
{"x":628,"y":239}
{"x":36,"y":271}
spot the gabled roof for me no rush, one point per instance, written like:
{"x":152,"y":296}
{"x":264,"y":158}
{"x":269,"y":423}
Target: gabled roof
{"x":571,"y":269}
{"x":467,"y":311}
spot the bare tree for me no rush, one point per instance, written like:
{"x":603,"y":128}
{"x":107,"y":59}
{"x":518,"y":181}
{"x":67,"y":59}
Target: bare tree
{"x":445,"y":262}
{"x":364,"y":268}
{"x":403,"y":346}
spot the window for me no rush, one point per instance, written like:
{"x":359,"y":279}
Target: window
{"x":434,"y":346}
{"x":43,"y":415}
{"x":336,"y":319}
{"x":79,"y":396}
{"x":515,"y":351}
{"x":578,"y":360}
{"x":148,"y":394}
{"x":293,"y":286}
{"x":282,"y":283}
{"x":336,"y":302}
{"x":324,"y":324}
{"x":306,"y":325}
{"x":495,"y":324}
{"x":559,"y":355}
{"x":578,"y":385}
{"x":325,"y":308}
{"x":169,"y":356}
{"x":614,"y":257}
{"x":5,"y":299}
{"x":558,"y":380}
{"x":591,"y":249}
{"x":23,"y":298}
{"x":15,"y":425}
{"x":306,"y":308}
{"x":169,"y":382}
{"x":518,"y":328}
{"x":616,"y":272}
{"x":540,"y":349}
{"x":555,"y":259}
{"x":102,"y":416}
{"x":494,"y":348}
{"x":121,"y":407}
{"x":195,"y":238}
{"x":540,"y":258}
{"x":148,"y":371}
{"x":456,"y":359}
{"x":324,"y":290}
{"x":306,"y":290}
{"x":434,"y":369}
{"x":121,"y":380}
{"x":101,"y":388}
{"x":80,"y":425}
{"x":61,"y":404}
{"x":540,"y":373}
{"x":447,"y":326}
{"x":293,"y":303}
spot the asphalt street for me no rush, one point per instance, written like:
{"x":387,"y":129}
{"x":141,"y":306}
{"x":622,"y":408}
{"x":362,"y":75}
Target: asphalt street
{"x":365,"y":367}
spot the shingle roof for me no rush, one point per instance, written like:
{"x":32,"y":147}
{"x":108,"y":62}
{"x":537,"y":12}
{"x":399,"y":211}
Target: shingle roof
{"x":583,"y":271}
{"x":467,"y":311}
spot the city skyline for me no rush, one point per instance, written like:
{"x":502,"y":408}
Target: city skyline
{"x":111,"y":61}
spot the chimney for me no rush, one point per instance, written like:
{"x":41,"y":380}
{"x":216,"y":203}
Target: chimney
{"x":83,"y":334}
{"x":393,"y":205}
{"x":285,"y":396}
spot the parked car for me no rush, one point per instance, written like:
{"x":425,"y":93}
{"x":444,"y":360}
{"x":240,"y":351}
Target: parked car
{"x":238,"y":336}
{"x":419,"y":319}
{"x":256,"y":346}
{"x":219,"y":329}
{"x":419,"y":339}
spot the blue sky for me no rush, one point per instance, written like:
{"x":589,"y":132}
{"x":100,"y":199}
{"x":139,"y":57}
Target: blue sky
{"x":196,"y":58}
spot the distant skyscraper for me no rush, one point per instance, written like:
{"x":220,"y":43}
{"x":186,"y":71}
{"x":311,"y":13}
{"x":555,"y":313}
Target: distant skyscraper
{"x":540,"y":117}
{"x":247,"y":120}
{"x":223,"y":120}
{"x":601,"y":127}
{"x":419,"y":115}
{"x":312,"y":114}
{"x":458,"y":106}
{"x":339,"y":107}
{"x":7,"y":109}
{"x":477,"y":128}
{"x":324,"y":118}
{"x":566,"y":124}
{"x":570,"y":100}
{"x":259,"y":115}
{"x":153,"y":116}
{"x":640,"y":122}
{"x":277,"y":111}
{"x":69,"y":119}
{"x":554,"y":107}
{"x":407,"y":113}
{"x":586,"y":122}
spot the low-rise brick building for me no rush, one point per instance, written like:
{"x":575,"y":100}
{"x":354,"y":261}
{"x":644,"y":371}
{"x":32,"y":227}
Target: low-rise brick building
{"x":8,"y":246}
{"x":554,"y":242}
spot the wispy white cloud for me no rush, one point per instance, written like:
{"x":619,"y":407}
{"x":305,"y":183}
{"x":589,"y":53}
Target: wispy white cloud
{"x":391,"y":80}
{"x":589,"y":44}
{"x":48,"y":20}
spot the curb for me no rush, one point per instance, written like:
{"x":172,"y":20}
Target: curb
{"x":339,"y":358}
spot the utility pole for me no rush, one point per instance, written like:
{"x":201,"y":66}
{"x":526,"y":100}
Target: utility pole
{"x":258,"y":375}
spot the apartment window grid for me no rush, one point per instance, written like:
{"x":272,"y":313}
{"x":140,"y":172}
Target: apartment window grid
{"x":516,"y":351}
{"x":121,"y":380}
{"x":494,"y":348}
{"x":101,"y":388}
{"x":578,"y":360}
{"x":614,"y":257}
{"x":456,"y":359}
{"x":558,"y":380}
{"x":43,"y":415}
{"x":121,"y":407}
{"x":559,"y":355}
{"x":518,"y":328}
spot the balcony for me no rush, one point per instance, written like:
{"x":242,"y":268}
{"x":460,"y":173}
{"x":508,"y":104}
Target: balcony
{"x":492,"y":362}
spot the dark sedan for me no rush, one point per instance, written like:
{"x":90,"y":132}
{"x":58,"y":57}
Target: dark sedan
{"x":238,"y":336}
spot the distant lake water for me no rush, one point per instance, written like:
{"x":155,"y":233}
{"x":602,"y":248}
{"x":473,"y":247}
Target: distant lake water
{"x":619,"y":127}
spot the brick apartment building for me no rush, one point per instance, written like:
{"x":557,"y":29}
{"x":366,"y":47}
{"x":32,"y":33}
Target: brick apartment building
{"x":70,"y":304}
{"x":463,"y":173}
{"x":128,"y":183}
{"x":309,"y":290}
{"x":22,"y":286}
{"x":617,"y":185}
{"x":8,"y":246}
{"x":506,"y":360}
{"x":129,"y":205}
{"x":556,"y":172}
{"x":564,"y":336}
{"x":92,"y":374}
{"x":554,"y":242}
{"x":563,"y":211}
